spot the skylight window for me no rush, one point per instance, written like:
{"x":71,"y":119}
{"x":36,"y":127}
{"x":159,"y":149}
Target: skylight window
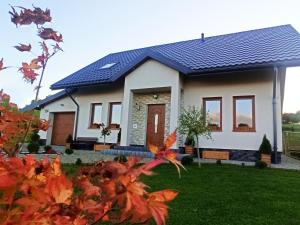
{"x":108,"y":65}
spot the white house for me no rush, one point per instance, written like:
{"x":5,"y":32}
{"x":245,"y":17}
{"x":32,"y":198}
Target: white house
{"x":237,"y":78}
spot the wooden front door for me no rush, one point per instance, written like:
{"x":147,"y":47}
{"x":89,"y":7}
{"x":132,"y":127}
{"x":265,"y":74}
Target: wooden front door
{"x":156,"y":125}
{"x":63,"y":125}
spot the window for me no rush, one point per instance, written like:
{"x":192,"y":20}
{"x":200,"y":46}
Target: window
{"x":115,"y":115}
{"x":108,"y":65}
{"x":96,"y":114}
{"x":244,"y":113}
{"x":213,"y":110}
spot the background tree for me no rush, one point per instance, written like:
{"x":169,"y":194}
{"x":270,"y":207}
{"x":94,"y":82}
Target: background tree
{"x":193,"y":123}
{"x":32,"y":70}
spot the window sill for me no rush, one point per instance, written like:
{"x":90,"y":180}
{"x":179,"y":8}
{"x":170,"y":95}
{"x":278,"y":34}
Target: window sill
{"x":247,"y":131}
{"x":93,"y":128}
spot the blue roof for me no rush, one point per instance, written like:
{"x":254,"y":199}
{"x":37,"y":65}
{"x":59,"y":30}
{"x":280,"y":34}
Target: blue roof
{"x":256,"y":48}
{"x":45,"y":101}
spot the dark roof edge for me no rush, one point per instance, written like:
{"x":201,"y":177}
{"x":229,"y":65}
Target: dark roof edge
{"x":132,"y":66}
{"x":283,"y":63}
{"x":39,"y":104}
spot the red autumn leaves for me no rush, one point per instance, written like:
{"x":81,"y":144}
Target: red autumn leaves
{"x":39,"y":17}
{"x":29,"y":16}
{"x":38,"y":191}
{"x":14,"y":124}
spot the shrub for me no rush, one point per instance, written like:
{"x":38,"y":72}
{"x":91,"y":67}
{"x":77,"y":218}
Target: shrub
{"x":120,"y":159}
{"x":190,"y":141}
{"x":265,"y":146}
{"x":47,"y":148}
{"x":69,"y":151}
{"x":78,"y":162}
{"x":69,"y":139}
{"x":33,"y":148}
{"x":187,"y":160}
{"x":219,"y":162}
{"x":35,"y":137}
{"x":119,"y":135}
{"x":260,"y":164}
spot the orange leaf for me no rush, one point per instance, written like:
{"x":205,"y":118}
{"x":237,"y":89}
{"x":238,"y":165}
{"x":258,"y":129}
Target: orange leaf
{"x":171,"y":139}
{"x":60,"y":188}
{"x":163,"y":196}
{"x":153,"y":149}
{"x":6,"y":181}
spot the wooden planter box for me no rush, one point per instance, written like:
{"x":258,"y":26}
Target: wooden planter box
{"x":222,"y":155}
{"x":189,"y":149}
{"x":266,"y":158}
{"x":100,"y":147}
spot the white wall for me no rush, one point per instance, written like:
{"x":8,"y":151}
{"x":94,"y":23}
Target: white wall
{"x":150,"y":75}
{"x":257,"y":83}
{"x":85,"y":97}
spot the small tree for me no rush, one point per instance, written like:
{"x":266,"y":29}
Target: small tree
{"x":265,"y":146}
{"x":193,"y":124}
{"x":104,"y":132}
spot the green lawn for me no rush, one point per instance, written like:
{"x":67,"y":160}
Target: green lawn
{"x":294,"y":127}
{"x":230,"y":195}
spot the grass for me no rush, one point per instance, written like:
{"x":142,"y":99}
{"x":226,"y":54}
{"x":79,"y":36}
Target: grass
{"x":229,"y":195}
{"x":294,"y":127}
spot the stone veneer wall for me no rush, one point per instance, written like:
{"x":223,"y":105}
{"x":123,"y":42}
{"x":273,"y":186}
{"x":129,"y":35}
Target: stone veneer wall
{"x":139,"y":117}
{"x":180,"y":137}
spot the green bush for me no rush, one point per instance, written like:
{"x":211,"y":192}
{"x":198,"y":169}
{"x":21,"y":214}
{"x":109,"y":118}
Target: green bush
{"x":265,"y":146}
{"x":47,"y":148}
{"x":260,"y":164}
{"x":187,"y":160}
{"x":78,"y":162}
{"x":219,"y":162}
{"x":35,"y":137}
{"x":33,"y":147}
{"x":120,"y":159}
{"x":69,"y":151}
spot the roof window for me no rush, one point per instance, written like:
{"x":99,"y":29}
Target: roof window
{"x":108,"y":65}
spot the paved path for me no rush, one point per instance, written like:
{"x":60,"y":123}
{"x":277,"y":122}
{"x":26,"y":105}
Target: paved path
{"x":91,"y":156}
{"x":286,"y":163}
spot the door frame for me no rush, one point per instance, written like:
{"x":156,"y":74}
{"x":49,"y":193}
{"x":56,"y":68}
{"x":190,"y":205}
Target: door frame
{"x":146,"y":127}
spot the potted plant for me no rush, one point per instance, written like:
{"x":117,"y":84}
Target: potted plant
{"x":69,"y":141}
{"x":193,"y":123}
{"x":265,"y":150}
{"x":189,"y":144}
{"x":105,"y":131}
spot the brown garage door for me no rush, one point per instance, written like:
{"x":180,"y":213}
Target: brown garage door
{"x":63,"y":125}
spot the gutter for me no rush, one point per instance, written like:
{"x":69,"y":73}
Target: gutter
{"x":275,"y":147}
{"x":77,"y":112}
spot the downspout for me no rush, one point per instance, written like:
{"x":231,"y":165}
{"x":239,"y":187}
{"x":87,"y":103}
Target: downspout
{"x":275,"y":147}
{"x":77,"y":113}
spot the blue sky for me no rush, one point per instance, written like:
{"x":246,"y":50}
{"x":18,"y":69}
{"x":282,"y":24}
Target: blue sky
{"x":95,"y":28}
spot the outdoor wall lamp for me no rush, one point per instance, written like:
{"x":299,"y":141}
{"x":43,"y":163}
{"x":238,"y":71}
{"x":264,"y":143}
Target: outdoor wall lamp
{"x":137,"y":106}
{"x":155,"y":96}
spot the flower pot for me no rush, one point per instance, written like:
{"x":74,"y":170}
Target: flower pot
{"x":266,"y":158}
{"x":189,"y":149}
{"x":68,"y":145}
{"x":100,"y":147}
